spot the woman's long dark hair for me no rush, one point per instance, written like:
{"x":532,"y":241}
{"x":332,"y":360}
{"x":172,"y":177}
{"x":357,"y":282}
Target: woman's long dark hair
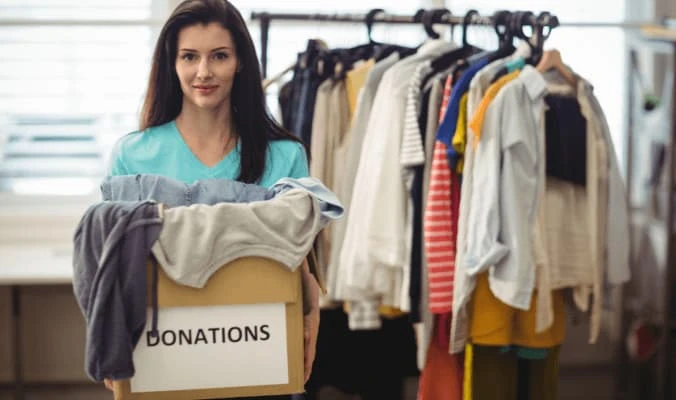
{"x":164,"y":97}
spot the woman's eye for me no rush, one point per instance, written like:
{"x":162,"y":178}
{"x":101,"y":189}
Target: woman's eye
{"x":188,"y":56}
{"x":220,"y":56}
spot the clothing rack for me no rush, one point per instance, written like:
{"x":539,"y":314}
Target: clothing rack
{"x":439,"y":16}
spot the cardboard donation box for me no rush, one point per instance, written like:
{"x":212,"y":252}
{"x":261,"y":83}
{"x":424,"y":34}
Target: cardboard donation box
{"x":241,"y":335}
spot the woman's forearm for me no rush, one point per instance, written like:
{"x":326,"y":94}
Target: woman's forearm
{"x":310,"y":290}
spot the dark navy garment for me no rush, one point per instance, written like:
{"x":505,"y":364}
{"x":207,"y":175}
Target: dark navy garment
{"x":566,"y":133}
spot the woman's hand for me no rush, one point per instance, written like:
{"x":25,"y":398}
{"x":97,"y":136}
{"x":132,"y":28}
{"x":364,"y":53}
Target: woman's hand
{"x":310,"y":317}
{"x":108,"y":383}
{"x":310,"y":332}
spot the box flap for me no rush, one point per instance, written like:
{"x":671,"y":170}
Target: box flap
{"x":247,"y":280}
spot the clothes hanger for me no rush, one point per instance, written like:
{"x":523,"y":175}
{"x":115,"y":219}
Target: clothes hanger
{"x":431,"y":17}
{"x":551,"y":59}
{"x":374,"y":49}
{"x":546,"y":23}
{"x":520,"y":21}
{"x":343,"y":62}
{"x":517,"y":24}
{"x":501,"y":25}
{"x":369,"y":20}
{"x":269,"y":81}
{"x":470,"y":16}
{"x":446,"y":60}
{"x":384,"y":50}
{"x":404,"y":51}
{"x":367,"y":50}
{"x":514,"y":29}
{"x":418,"y":16}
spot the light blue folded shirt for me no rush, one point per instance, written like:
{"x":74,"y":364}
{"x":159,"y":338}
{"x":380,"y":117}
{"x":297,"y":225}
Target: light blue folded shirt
{"x":328,"y":201}
{"x":174,"y":193}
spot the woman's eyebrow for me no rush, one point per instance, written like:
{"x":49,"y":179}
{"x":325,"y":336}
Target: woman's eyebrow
{"x":216,"y":49}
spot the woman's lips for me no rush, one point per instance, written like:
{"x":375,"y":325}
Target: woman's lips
{"x":204,"y":89}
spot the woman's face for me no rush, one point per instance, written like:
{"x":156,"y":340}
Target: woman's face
{"x":206,"y":65}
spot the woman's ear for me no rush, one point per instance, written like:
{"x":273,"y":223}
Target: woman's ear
{"x":239,"y":67}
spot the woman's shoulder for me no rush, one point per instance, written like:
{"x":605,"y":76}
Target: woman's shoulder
{"x":139,"y":140}
{"x":137,"y":147}
{"x":285,"y":151}
{"x":286,"y":147}
{"x":286,"y":158}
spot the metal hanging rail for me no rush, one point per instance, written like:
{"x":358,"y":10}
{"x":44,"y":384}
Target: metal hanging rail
{"x":376,"y":17}
{"x":380,"y":18}
{"x":383,"y":18}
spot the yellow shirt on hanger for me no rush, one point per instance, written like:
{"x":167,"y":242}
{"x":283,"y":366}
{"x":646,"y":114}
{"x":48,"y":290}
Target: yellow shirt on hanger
{"x":355,"y":79}
{"x":383,"y":310}
{"x":460,"y":136}
{"x":478,"y":119}
{"x":494,"y":323}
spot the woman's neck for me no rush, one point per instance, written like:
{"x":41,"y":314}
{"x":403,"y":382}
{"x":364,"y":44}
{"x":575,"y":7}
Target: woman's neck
{"x":206,"y":125}
{"x":209,"y":135}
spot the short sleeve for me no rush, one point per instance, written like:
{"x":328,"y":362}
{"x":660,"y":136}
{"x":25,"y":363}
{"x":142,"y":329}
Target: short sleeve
{"x":115,"y":161}
{"x":299,"y":166}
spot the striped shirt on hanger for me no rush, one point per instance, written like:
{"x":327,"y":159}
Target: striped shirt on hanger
{"x":412,"y":151}
{"x":439,"y":224}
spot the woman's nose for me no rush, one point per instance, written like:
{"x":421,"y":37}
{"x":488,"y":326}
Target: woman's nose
{"x":203,"y":71}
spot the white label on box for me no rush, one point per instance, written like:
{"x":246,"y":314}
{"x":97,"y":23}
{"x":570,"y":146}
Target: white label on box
{"x":211,"y":347}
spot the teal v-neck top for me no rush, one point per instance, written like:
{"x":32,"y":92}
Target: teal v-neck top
{"x":161,"y":150}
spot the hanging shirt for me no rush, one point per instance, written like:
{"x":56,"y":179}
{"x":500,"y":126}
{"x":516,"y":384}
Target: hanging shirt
{"x":331,"y":120}
{"x":412,"y":152}
{"x":460,"y":137}
{"x":320,"y":122}
{"x":377,"y":244}
{"x":566,"y":131}
{"x":424,"y":329}
{"x":417,"y":194}
{"x":506,"y":182}
{"x":439,"y":227}
{"x":464,"y":283}
{"x":606,"y":212}
{"x":447,"y":126}
{"x":612,"y":242}
{"x":363,"y":304}
{"x":480,"y":115}
{"x":355,"y":80}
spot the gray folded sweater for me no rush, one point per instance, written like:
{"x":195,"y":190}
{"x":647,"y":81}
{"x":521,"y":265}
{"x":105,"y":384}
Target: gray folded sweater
{"x":111,"y":247}
{"x":197,"y":240}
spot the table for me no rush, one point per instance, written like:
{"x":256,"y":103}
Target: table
{"x":30,"y":265}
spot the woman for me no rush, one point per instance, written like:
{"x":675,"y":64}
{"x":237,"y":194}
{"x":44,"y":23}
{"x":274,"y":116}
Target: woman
{"x":204,"y":116}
